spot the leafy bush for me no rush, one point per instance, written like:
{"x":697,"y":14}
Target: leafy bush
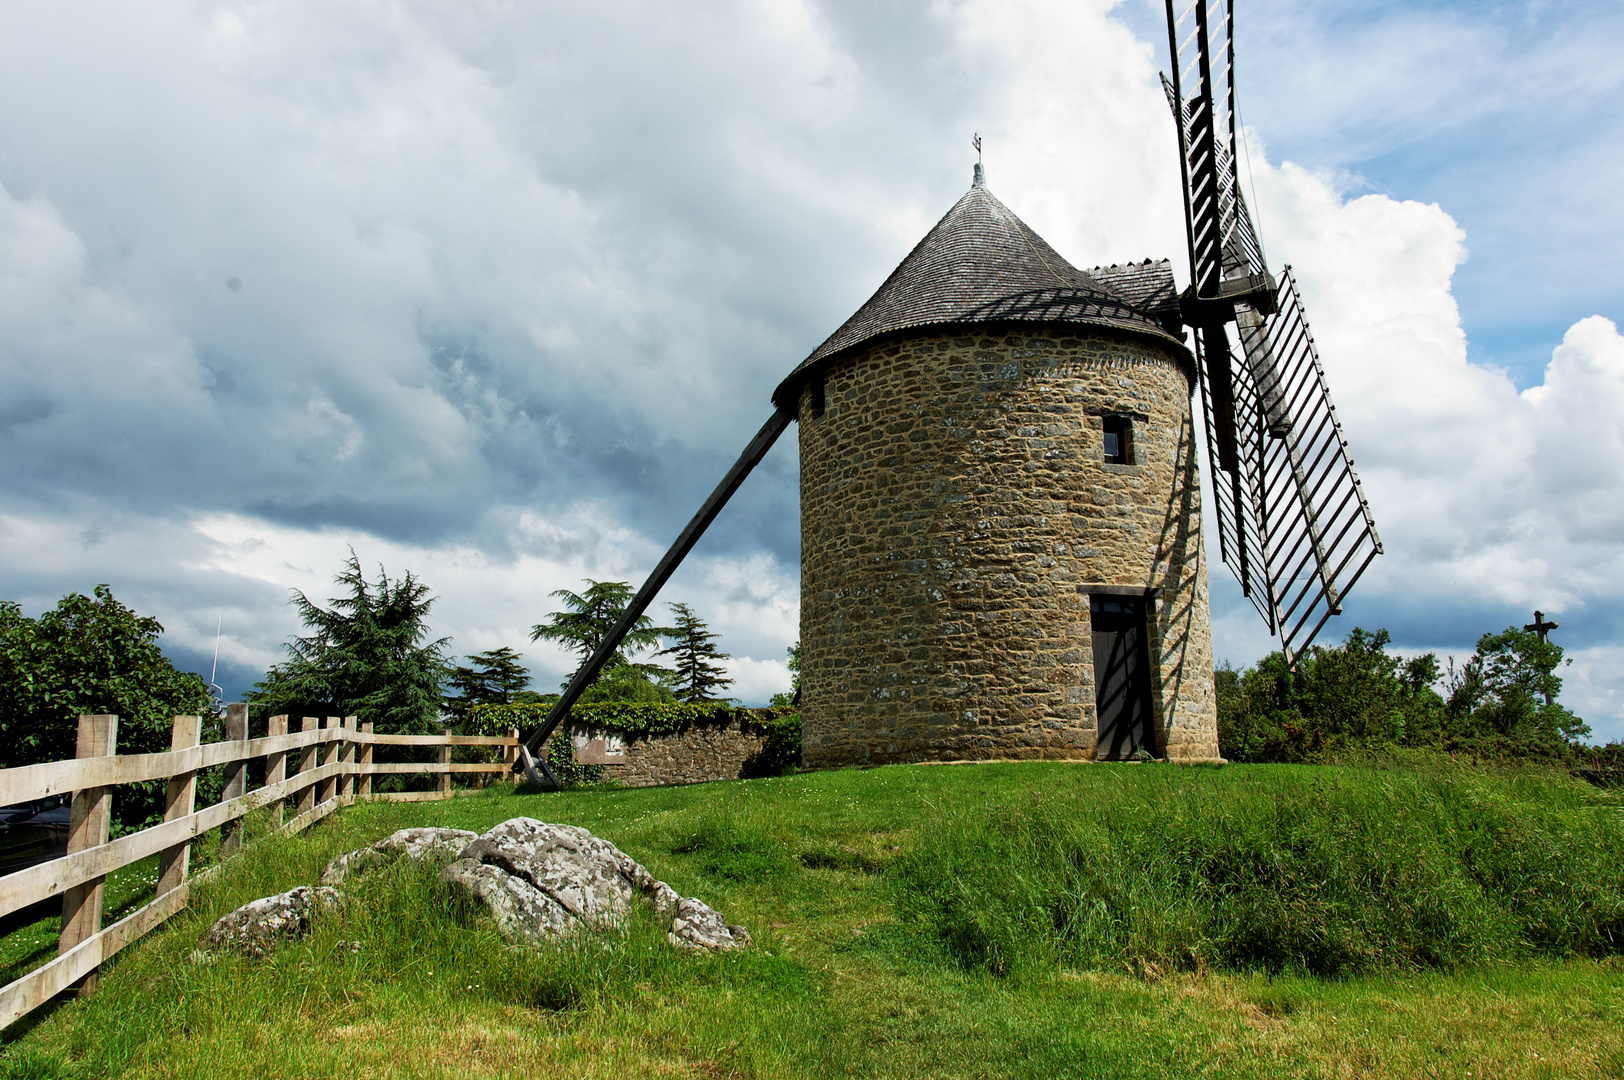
{"x":1357,"y":697}
{"x":91,"y":654}
{"x":1328,"y":873}
{"x":782,"y":752}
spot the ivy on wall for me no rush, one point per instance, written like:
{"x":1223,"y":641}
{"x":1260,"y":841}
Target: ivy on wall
{"x":629,"y":718}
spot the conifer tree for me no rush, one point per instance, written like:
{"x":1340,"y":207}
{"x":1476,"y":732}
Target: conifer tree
{"x":589,"y":618}
{"x":368,"y":656}
{"x":493,"y":678}
{"x":694,"y":647}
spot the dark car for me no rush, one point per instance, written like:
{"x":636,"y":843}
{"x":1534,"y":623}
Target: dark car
{"x":33,"y":832}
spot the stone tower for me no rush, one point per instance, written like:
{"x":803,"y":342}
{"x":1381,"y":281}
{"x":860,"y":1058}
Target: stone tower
{"x":1000,"y":511}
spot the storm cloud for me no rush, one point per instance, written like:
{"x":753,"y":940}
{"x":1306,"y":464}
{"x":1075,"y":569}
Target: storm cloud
{"x":496,"y":292}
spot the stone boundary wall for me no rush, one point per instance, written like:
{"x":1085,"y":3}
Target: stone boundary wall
{"x":726,"y":748}
{"x":956,"y":508}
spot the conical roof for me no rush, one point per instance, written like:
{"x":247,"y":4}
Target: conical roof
{"x":980,"y":264}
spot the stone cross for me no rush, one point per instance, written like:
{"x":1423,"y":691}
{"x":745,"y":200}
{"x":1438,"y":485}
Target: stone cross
{"x":1543,"y":629}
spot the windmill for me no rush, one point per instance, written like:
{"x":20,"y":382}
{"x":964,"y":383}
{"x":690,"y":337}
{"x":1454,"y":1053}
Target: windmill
{"x":946,"y":581}
{"x":1293,"y":522}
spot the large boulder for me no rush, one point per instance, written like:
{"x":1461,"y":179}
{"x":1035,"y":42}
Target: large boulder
{"x":437,"y":846}
{"x":544,"y":882}
{"x":261,"y":925}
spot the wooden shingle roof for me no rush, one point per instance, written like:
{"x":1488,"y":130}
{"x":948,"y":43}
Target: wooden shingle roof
{"x":982,"y":264}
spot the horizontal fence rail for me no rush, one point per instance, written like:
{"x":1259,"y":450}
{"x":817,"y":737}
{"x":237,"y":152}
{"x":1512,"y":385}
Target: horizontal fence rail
{"x":325,"y":765}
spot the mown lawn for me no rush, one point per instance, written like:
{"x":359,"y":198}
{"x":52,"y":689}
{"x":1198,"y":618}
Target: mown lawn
{"x":819,"y":866}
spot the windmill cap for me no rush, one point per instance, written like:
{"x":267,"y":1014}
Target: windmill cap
{"x":983,"y":265}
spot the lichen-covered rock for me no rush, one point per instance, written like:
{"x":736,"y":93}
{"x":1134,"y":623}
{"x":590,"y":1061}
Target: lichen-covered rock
{"x":261,"y":925}
{"x":543,"y":882}
{"x":696,"y":926}
{"x":591,"y":879}
{"x":523,"y":913}
{"x":438,"y":846}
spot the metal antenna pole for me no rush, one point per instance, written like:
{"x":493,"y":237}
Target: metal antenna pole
{"x":219,"y":693}
{"x":534,"y":767}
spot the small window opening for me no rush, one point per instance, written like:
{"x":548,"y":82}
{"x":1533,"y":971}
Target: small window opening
{"x":815,"y":402}
{"x":1118,"y":440}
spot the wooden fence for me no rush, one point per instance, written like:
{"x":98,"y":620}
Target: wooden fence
{"x":293,"y":775}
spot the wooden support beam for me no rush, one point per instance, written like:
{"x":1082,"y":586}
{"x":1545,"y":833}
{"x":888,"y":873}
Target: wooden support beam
{"x":763,"y":442}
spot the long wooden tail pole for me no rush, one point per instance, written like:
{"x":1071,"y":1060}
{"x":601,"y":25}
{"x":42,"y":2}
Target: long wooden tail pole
{"x":529,"y":759}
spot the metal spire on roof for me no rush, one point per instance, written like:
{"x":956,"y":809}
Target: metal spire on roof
{"x":980,"y":177}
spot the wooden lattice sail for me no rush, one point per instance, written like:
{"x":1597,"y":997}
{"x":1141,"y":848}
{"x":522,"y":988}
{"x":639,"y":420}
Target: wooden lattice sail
{"x":1293,"y":522}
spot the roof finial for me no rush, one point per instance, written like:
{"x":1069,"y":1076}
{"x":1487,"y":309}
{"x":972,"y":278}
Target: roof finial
{"x":980,"y":177}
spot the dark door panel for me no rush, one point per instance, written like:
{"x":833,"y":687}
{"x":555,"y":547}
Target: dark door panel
{"x":1121,"y":677}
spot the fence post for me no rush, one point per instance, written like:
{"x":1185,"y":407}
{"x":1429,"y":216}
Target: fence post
{"x":346,"y":783}
{"x":180,"y":799}
{"x":88,"y":819}
{"x":510,"y":756}
{"x":236,"y":784}
{"x":445,"y":759}
{"x":276,"y":765}
{"x":329,"y":787}
{"x":307,"y":761}
{"x":366,"y":763}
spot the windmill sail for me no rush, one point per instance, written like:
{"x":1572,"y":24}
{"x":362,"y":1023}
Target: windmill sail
{"x":1293,"y":522}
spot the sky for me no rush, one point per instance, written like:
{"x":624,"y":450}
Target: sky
{"x":496,"y":292}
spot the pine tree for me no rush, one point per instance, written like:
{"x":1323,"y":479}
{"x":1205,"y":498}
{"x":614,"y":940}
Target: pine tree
{"x":694,"y":648}
{"x":589,"y":619}
{"x":367,"y":657}
{"x":493,"y":679}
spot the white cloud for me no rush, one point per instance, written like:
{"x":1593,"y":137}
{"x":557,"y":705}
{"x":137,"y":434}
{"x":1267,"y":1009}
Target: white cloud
{"x":495,"y":292}
{"x":1490,"y":502}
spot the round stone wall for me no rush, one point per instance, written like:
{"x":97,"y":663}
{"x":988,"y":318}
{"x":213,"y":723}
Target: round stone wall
{"x":957,"y":508}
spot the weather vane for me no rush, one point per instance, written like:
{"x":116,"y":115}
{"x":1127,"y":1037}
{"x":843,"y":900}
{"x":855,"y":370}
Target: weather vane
{"x":975,"y":141}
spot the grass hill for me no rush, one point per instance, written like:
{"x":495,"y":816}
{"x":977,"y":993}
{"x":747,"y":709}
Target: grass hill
{"x":952,"y":921}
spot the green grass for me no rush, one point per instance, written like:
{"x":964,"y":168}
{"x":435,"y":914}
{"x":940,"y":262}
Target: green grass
{"x":1321,"y":871}
{"x":857,"y":971}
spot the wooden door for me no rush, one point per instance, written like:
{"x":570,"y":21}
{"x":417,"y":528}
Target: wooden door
{"x":1121,"y":677}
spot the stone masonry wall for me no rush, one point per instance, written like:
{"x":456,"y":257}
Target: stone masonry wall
{"x":955,"y":508}
{"x":701,"y":751}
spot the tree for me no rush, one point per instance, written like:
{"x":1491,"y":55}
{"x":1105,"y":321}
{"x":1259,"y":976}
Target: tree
{"x":368,"y":657}
{"x":493,"y":679}
{"x":1356,"y":694}
{"x":1508,"y":690}
{"x":89,"y":655}
{"x":589,"y":619}
{"x":694,"y":646}
{"x":627,"y":682}
{"x":789,"y":699}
